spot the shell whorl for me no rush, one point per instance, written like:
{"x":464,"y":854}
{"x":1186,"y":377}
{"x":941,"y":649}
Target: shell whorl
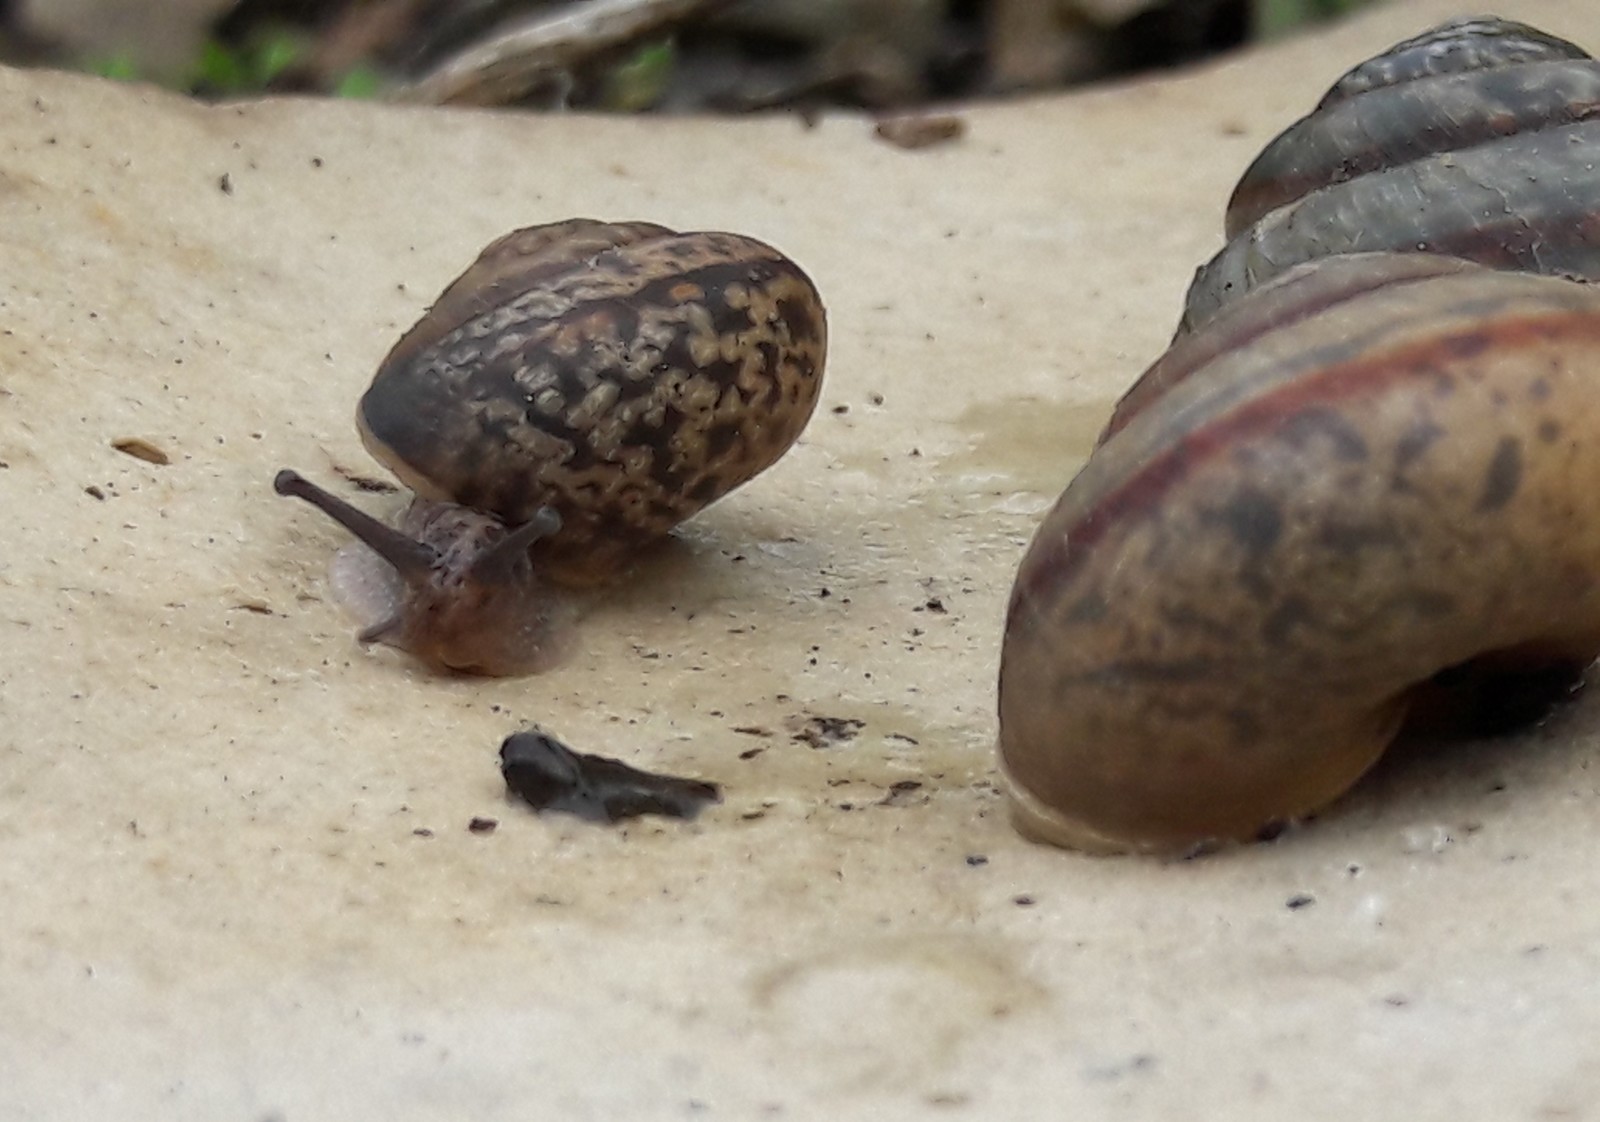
{"x":1479,"y":139}
{"x":1224,"y":619}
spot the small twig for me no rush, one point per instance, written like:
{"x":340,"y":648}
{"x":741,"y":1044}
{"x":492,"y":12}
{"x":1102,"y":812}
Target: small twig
{"x":544,"y":49}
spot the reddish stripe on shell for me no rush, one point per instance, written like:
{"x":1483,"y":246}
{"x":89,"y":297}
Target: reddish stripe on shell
{"x":1145,"y":487}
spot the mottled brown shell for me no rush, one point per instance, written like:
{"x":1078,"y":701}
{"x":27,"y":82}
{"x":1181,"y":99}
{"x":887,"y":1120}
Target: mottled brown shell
{"x":623,"y":375}
{"x":1368,"y":471}
{"x":1479,"y":139}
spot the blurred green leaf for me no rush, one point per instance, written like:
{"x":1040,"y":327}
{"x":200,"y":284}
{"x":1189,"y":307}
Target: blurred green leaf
{"x":218,"y":68}
{"x":275,"y":55}
{"x":120,"y":68}
{"x":231,"y":70}
{"x":361,"y":82}
{"x":637,"y":84}
{"x":1272,"y":18}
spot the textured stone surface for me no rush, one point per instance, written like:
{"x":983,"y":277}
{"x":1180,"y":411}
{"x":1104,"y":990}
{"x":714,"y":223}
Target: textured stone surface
{"x":238,"y":870}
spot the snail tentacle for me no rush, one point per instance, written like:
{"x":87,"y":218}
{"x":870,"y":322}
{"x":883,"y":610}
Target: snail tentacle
{"x":502,"y":559}
{"x":412,"y":559}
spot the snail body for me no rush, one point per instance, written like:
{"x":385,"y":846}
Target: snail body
{"x":1376,"y":469}
{"x":579,"y":391}
{"x":1478,"y":139}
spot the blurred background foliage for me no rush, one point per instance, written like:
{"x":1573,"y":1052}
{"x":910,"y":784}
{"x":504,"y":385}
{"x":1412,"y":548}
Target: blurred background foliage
{"x":639,"y":55}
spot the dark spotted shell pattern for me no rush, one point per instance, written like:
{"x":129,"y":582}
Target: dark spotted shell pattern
{"x":623,"y":375}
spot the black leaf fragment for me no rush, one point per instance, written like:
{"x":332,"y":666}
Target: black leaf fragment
{"x":548,"y":775}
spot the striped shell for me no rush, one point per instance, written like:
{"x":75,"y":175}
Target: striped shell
{"x":1478,"y":139}
{"x":1371,"y":470}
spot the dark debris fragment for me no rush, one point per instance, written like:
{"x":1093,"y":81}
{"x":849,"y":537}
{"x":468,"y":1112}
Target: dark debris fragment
{"x":141,"y":449}
{"x":906,"y":792}
{"x":548,"y":775}
{"x":371,"y":484}
{"x":825,"y":732}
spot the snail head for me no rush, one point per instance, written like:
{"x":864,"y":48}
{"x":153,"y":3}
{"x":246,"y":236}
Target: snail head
{"x":452,"y":586}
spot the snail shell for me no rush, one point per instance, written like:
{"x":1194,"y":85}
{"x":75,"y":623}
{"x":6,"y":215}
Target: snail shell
{"x":1479,"y":139}
{"x":1371,"y":470}
{"x":579,"y":391}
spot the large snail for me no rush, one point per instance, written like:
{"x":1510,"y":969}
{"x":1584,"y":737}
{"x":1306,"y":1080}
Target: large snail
{"x":579,"y":391}
{"x":1477,"y":139}
{"x":1348,"y":481}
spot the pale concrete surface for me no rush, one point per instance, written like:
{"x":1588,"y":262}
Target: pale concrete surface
{"x":216,"y":902}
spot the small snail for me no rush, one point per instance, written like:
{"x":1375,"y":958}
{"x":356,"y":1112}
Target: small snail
{"x":579,"y":391}
{"x":1356,"y":481}
{"x":1373,"y":469}
{"x":1477,"y":139}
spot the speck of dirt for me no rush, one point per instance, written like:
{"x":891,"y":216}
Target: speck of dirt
{"x":367,"y":483}
{"x":141,"y":449}
{"x":826,"y":732}
{"x":483,"y":825}
{"x":903,"y":793}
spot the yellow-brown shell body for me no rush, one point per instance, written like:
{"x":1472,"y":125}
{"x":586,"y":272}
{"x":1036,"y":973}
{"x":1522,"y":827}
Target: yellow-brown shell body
{"x":1373,"y":469}
{"x":623,"y":375}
